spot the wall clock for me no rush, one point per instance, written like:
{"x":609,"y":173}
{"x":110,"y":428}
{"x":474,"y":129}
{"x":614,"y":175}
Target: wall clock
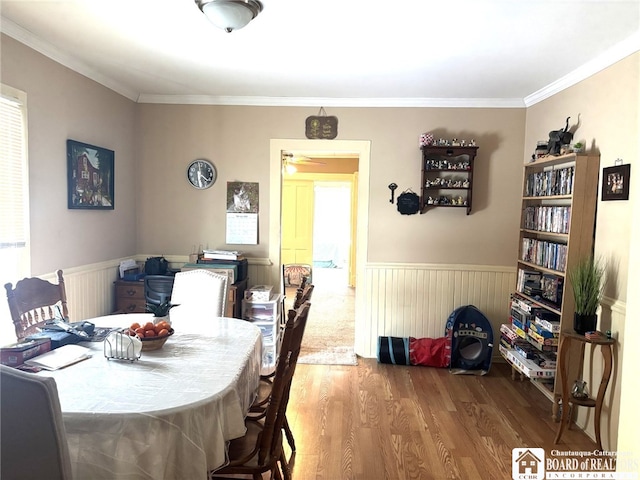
{"x":201,"y":174}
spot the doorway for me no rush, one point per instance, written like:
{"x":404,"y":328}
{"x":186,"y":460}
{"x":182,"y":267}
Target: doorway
{"x":361,"y":192}
{"x":319,"y":221}
{"x":317,"y":226}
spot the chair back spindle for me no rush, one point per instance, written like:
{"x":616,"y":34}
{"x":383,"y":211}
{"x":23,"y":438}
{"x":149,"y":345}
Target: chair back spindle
{"x":35,"y":301}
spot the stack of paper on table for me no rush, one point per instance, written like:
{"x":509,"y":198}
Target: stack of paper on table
{"x":60,"y":357}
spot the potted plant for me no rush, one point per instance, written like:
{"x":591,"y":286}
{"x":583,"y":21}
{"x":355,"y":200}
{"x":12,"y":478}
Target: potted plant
{"x":160,"y":311}
{"x":587,"y":279}
{"x":578,"y":147}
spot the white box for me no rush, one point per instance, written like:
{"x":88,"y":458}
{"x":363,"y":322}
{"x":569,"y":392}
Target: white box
{"x":260,"y":293}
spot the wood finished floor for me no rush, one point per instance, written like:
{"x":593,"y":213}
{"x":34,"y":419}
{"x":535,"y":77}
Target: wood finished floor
{"x":376,"y":421}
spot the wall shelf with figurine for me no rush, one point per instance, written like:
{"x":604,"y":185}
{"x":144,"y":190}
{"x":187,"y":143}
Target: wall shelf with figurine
{"x":447,"y":175}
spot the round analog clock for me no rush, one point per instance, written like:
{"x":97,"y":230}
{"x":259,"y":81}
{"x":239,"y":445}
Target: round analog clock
{"x":201,"y":173}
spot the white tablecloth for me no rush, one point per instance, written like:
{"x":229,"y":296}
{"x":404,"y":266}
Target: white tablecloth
{"x":168,"y":415}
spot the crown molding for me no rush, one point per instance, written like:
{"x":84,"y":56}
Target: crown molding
{"x":45,"y":48}
{"x":333,"y":102}
{"x":621,"y":50}
{"x":618,"y":52}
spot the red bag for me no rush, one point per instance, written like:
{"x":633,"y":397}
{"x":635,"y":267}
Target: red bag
{"x":430,"y":352}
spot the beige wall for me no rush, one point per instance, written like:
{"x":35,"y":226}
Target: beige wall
{"x":606,"y":105}
{"x":630,"y":388}
{"x":65,"y":105}
{"x":237,"y":139}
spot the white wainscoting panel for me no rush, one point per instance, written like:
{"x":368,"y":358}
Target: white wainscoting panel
{"x":415,"y":300}
{"x":90,"y":289}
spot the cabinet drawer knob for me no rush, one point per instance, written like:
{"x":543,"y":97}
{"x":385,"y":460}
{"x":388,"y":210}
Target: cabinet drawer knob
{"x":131,"y":292}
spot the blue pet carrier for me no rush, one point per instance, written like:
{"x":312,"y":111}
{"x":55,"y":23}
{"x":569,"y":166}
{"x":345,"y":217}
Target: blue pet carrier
{"x":471,"y":341}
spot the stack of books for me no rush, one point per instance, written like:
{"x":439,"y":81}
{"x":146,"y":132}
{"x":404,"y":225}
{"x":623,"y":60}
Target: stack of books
{"x":233,"y":261}
{"x":222,"y":255}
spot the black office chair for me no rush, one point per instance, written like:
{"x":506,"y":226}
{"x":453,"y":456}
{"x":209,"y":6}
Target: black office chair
{"x":158,"y":288}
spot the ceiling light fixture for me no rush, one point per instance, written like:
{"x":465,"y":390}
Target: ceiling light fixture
{"x":230,"y":15}
{"x":290,"y":168}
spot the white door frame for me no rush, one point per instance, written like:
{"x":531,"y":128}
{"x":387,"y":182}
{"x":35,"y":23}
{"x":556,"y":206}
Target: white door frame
{"x":363,"y":149}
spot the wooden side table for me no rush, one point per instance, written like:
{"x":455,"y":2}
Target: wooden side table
{"x":568,"y":400}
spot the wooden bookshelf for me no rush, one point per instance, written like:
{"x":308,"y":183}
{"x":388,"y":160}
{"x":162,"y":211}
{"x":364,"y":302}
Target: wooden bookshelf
{"x":578,"y":192}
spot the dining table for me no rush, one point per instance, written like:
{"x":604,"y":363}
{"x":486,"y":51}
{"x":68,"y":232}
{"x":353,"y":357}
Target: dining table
{"x":167,"y":415}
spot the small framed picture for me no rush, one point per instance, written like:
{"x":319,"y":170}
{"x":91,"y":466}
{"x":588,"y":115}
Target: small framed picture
{"x":90,"y":177}
{"x":615,"y":182}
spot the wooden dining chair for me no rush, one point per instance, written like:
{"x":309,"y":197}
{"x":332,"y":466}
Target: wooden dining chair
{"x":201,"y":289}
{"x":303,"y":293}
{"x":259,"y":406}
{"x":33,"y":441}
{"x":33,"y":302}
{"x":260,"y":449}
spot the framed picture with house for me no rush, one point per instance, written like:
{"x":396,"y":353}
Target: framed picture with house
{"x":90,"y":176}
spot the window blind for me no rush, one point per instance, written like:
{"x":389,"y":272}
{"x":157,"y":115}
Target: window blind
{"x":15,"y":258}
{"x":13,"y":174}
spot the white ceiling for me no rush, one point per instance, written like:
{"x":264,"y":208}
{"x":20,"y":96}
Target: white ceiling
{"x":333,"y":52}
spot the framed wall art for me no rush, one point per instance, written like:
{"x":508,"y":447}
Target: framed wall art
{"x":90,"y":171}
{"x":615,"y":182}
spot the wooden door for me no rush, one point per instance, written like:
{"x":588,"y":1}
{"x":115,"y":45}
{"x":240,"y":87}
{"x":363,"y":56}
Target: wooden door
{"x":297,"y":221}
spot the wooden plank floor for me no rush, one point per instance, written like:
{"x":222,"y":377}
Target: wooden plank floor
{"x":376,"y":421}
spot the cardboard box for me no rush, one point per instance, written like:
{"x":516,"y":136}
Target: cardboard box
{"x":16,"y":353}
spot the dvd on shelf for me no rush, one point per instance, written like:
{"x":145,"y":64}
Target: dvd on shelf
{"x":557,"y":181}
{"x":551,"y":219}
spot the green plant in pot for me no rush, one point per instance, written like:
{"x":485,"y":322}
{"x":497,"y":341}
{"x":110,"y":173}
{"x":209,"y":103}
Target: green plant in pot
{"x":587,"y":279}
{"x":160,"y":310}
{"x":578,"y":147}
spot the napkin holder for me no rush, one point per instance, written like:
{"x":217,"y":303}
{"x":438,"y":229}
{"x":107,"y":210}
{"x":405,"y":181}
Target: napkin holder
{"x":122,"y":346}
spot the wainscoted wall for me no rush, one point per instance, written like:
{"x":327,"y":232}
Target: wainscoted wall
{"x":90,"y":288}
{"x":395,"y":300}
{"x":415,"y":300}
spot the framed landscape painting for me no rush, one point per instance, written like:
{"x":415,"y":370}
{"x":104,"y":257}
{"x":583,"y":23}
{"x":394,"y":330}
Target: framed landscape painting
{"x":90,"y":176}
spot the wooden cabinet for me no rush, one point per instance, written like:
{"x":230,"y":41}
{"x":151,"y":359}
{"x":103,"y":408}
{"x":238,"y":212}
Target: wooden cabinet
{"x":557,"y":225}
{"x":130,"y":297}
{"x":447,"y":177}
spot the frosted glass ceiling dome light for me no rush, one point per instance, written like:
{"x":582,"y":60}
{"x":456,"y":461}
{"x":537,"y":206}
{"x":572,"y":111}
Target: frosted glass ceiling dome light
{"x":230,"y":15}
